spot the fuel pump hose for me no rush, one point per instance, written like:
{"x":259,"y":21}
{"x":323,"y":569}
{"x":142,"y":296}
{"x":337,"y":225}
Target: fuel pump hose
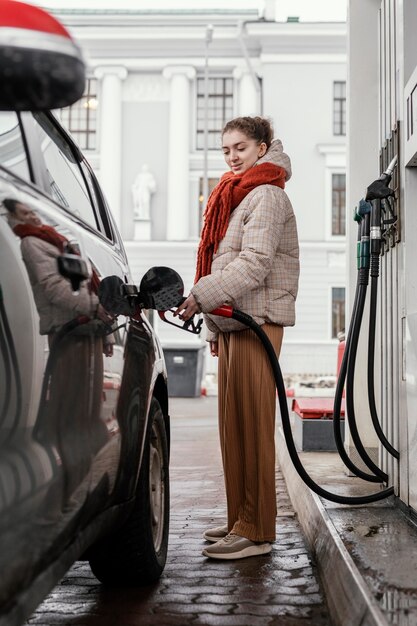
{"x":356,"y":311}
{"x":247,"y":320}
{"x":375,"y":235}
{"x":338,"y":404}
{"x":363,"y":211}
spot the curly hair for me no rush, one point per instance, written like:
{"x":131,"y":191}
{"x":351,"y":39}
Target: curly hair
{"x":258,"y":128}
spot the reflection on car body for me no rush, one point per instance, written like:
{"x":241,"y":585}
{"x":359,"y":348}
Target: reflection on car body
{"x":83,"y":400}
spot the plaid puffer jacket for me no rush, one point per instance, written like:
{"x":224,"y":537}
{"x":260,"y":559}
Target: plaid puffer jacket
{"x":256,"y":266}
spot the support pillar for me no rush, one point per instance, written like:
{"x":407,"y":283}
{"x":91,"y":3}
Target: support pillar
{"x":248,"y":98}
{"x":178,"y":216}
{"x":111,"y":78}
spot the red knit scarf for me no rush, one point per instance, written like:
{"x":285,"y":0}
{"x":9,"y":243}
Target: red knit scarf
{"x":50,"y":235}
{"x":225,"y":197}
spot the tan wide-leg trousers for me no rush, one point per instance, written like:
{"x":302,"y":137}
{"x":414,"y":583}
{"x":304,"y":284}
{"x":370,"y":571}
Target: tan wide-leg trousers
{"x":247,"y":399}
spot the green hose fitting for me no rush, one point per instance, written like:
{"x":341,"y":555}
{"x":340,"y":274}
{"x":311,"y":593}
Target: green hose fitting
{"x":356,"y":215}
{"x":364,"y":207}
{"x":365,"y":253}
{"x":358,"y":255}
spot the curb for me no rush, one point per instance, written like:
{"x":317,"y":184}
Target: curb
{"x":348,"y":597}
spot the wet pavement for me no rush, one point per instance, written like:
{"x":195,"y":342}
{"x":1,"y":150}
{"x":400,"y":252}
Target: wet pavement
{"x":280,"y":589}
{"x":367,"y":554}
{"x":383,"y":545}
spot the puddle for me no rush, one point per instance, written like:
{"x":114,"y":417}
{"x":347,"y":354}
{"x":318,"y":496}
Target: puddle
{"x":383,"y":545}
{"x":399,"y":607}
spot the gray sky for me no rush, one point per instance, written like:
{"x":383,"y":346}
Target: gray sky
{"x":306,"y":10}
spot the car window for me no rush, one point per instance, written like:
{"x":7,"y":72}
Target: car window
{"x":66,"y":184}
{"x":98,"y":201}
{"x":12,"y":148}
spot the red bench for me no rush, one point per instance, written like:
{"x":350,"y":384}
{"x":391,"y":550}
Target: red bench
{"x":316,"y":408}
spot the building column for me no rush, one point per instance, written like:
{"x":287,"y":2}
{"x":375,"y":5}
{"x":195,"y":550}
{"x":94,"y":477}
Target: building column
{"x":178,"y":213}
{"x":111,"y":78}
{"x":248,"y":98}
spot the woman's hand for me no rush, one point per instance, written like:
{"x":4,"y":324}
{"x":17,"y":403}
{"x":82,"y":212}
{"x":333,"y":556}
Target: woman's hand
{"x":214,"y":348}
{"x":102,"y":315}
{"x":188,"y":308}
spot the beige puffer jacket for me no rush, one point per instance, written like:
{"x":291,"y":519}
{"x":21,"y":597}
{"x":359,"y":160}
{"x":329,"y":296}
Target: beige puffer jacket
{"x":54,"y":298}
{"x":256,"y":266}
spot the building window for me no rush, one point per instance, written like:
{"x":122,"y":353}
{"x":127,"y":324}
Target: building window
{"x":81,"y":118}
{"x":219,"y":110}
{"x":338,"y":204}
{"x":339,"y":108}
{"x":338,"y":311}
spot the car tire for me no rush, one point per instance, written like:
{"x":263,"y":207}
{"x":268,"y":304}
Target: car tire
{"x":136,"y":553}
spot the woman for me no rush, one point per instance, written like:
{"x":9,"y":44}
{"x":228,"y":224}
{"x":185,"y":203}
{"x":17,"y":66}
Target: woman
{"x":73,"y":403}
{"x":54,"y":296}
{"x":247,"y":258}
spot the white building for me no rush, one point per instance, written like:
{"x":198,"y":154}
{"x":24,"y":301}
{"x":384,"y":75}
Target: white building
{"x":145,"y":106}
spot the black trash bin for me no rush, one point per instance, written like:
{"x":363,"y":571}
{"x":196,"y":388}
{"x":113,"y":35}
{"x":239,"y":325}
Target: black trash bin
{"x":185,"y":365}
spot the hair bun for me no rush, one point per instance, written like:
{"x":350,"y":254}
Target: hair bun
{"x":258,"y":128}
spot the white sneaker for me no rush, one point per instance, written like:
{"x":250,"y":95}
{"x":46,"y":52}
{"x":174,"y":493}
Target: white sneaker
{"x":215,"y":534}
{"x":236,"y":547}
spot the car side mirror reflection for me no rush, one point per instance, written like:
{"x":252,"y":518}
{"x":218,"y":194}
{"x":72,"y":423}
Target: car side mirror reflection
{"x":41,"y":67}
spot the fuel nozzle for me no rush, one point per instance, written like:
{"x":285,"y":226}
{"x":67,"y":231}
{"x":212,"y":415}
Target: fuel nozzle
{"x":378,"y":191}
{"x":379,"y":188}
{"x":388,"y":172}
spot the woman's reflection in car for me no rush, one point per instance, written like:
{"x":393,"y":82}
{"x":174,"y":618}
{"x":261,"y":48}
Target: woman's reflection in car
{"x":68,"y":421}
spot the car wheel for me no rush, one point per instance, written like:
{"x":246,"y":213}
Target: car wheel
{"x":136,"y":553}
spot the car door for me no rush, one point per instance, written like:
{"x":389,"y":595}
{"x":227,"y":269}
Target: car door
{"x":45,"y":463}
{"x":127,"y":373}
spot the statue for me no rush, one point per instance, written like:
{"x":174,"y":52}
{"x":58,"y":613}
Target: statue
{"x":142,"y":189}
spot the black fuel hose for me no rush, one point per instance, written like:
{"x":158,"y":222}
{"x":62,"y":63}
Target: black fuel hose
{"x":338,"y":404}
{"x":342,"y":377}
{"x":371,"y":366}
{"x":248,"y":321}
{"x":371,"y":358}
{"x":358,"y":307}
{"x":362,"y":283}
{"x":377,"y":193}
{"x":350,"y":407}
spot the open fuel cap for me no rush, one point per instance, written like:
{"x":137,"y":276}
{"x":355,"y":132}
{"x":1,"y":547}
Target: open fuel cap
{"x":161,"y":288}
{"x":41,"y":67}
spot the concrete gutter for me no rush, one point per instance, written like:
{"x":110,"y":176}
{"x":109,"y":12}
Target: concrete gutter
{"x":349,"y":598}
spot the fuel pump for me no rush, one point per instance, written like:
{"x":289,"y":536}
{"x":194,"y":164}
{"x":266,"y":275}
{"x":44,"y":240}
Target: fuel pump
{"x":368,"y":216}
{"x":348,"y":358}
{"x":171,"y":287}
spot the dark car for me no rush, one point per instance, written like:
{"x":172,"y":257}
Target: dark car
{"x":84,"y":425}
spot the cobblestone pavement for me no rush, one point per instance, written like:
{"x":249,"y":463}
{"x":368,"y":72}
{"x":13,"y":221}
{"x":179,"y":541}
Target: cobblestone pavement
{"x":280,"y":589}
